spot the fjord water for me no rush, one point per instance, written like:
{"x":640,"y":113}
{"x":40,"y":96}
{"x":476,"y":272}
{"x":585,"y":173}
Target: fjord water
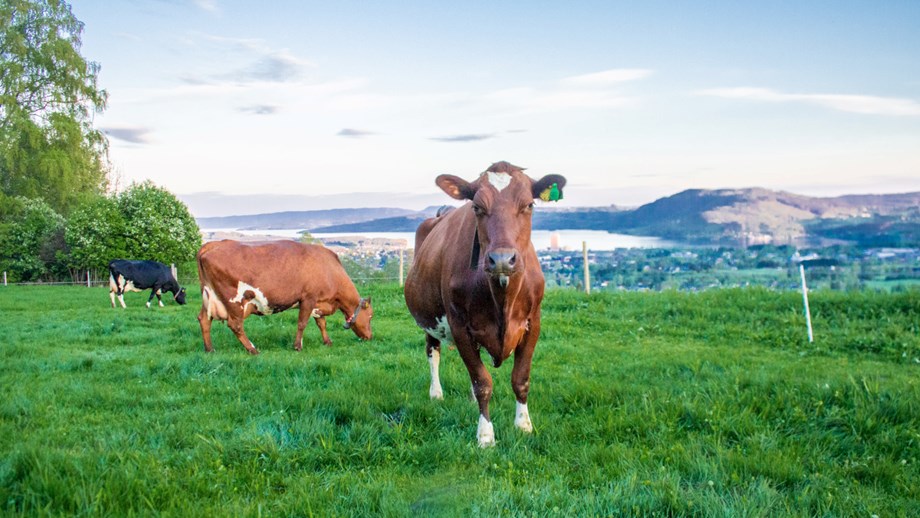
{"x":542,"y":239}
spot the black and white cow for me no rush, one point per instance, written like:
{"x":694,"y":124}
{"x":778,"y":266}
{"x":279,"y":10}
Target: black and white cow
{"x":125,"y":275}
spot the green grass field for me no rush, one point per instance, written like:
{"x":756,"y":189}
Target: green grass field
{"x":708,"y":404}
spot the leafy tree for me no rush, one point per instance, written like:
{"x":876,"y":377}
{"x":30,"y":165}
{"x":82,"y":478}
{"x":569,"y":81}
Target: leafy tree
{"x":157,"y":225}
{"x":307,"y":237}
{"x":48,"y":94}
{"x":30,"y":239}
{"x":96,"y":234}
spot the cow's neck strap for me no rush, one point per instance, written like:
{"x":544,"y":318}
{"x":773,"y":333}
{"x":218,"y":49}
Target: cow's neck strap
{"x":351,"y":321}
{"x":474,"y":256}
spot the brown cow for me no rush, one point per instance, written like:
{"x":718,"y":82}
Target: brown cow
{"x":476,"y":281}
{"x":241,"y":279}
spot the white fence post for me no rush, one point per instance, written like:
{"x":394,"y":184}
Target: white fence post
{"x":584,"y":251}
{"x":811,"y":337}
{"x":88,"y":283}
{"x":175,"y":273}
{"x":401,"y":251}
{"x":4,"y":277}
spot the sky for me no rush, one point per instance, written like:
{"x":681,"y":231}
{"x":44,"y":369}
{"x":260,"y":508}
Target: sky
{"x":242,"y":107}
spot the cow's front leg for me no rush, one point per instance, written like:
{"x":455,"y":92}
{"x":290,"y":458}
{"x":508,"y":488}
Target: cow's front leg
{"x":121,"y":298}
{"x":235,"y":323}
{"x":303,"y":316}
{"x":160,"y":297}
{"x":150,"y":299}
{"x":433,"y":350}
{"x":482,"y":387}
{"x":204,"y":320}
{"x":520,"y":378}
{"x":321,"y":324}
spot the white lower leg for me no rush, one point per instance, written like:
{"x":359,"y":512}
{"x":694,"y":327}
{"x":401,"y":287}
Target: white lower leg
{"x":112,"y":296}
{"x":121,"y":298}
{"x":435,"y":391}
{"x":522,"y":417}
{"x":485,"y":433}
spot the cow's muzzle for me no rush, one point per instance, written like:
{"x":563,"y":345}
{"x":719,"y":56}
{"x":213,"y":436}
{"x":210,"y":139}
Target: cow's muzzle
{"x":501,"y":263}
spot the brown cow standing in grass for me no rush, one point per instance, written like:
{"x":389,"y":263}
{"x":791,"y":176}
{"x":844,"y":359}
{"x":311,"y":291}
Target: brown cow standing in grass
{"x":476,"y":281}
{"x":241,"y":279}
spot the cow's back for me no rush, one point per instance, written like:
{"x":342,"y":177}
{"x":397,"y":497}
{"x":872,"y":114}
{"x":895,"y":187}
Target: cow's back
{"x":282,"y":270}
{"x":143,"y":274}
{"x":439,"y":243}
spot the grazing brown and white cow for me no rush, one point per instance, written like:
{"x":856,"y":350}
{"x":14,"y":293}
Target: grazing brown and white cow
{"x":476,"y":281}
{"x":241,"y":279}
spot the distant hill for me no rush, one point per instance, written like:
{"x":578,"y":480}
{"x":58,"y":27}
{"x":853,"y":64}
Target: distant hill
{"x":752,"y":216}
{"x":307,"y":219}
{"x":723,"y":216}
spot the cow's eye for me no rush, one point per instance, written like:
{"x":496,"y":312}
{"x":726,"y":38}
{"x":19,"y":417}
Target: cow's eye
{"x":527,"y":208}
{"x":478,"y":210}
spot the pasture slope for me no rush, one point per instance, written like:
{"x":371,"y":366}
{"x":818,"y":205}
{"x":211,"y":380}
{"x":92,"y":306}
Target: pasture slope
{"x":658,"y":404}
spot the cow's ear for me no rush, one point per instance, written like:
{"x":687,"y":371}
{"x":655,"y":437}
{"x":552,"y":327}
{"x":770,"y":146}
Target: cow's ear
{"x":455,"y":187}
{"x":549,"y":188}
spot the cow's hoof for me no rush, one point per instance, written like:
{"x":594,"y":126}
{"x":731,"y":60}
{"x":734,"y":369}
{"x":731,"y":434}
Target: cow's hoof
{"x":253,"y":351}
{"x":435,"y":392}
{"x":522,"y":419}
{"x":485,"y":433}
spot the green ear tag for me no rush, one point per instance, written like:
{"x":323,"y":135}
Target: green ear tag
{"x":551,"y":193}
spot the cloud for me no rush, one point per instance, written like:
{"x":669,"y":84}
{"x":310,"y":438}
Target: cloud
{"x":131,"y":135}
{"x":464,"y":138}
{"x":276,"y":66}
{"x":354,"y":133}
{"x":864,"y":104}
{"x":262,"y":62}
{"x":597,"y":90}
{"x":531,"y":100}
{"x":207,"y":5}
{"x":259,"y":109}
{"x":607,"y":77}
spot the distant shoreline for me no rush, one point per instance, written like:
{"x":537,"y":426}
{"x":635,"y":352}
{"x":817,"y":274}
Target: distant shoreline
{"x":542,"y":239}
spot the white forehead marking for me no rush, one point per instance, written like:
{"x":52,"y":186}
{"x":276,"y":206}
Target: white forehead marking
{"x":259,"y":300}
{"x":441,"y":331}
{"x":499,"y":180}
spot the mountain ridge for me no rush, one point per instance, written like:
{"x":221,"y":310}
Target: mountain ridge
{"x":698,"y":216}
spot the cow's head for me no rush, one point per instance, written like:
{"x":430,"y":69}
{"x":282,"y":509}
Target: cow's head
{"x":502,"y":200}
{"x":360,"y":320}
{"x":180,"y":296}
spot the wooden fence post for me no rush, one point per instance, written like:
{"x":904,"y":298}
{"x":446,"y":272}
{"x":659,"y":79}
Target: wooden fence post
{"x":584,"y":251}
{"x":401,"y":251}
{"x":4,"y":277}
{"x":811,"y":337}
